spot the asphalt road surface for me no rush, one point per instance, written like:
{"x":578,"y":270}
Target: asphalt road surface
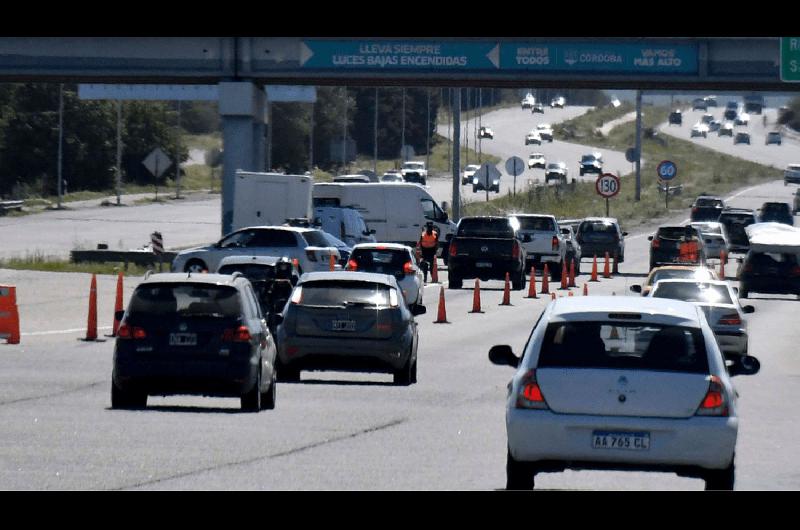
{"x":339,"y":431}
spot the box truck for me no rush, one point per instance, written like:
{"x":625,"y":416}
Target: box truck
{"x":396,"y":211}
{"x":263,"y":199}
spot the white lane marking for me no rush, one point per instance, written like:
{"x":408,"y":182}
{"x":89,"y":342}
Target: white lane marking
{"x":60,"y":331}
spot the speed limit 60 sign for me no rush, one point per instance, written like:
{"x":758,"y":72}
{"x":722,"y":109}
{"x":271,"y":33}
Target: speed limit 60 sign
{"x":607,"y":185}
{"x":667,"y":170}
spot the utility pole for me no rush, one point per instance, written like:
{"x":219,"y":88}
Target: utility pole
{"x":119,"y":149}
{"x":344,"y":130}
{"x":456,"y":109}
{"x":449,"y":121}
{"x":480,"y":124}
{"x":428,"y":133}
{"x":177,"y":155}
{"x":638,"y":145}
{"x":403,"y":137}
{"x":310,"y":142}
{"x":466,"y":130}
{"x":60,"y":139}
{"x":375,"y":140}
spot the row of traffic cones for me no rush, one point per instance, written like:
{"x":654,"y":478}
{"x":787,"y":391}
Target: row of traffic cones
{"x":567,"y":281}
{"x":91,"y":324}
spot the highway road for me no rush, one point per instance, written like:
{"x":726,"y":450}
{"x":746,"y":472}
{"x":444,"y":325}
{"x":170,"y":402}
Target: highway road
{"x":339,"y":431}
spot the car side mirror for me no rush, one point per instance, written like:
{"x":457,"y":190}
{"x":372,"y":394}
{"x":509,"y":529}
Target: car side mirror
{"x":748,"y":309}
{"x":418,"y":309}
{"x":118,"y":315}
{"x":746,"y":365}
{"x":636,"y":288}
{"x":502,"y":355}
{"x":649,"y":238}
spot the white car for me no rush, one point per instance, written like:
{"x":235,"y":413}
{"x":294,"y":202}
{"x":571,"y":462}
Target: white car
{"x":545,"y":131}
{"x":394,"y":259}
{"x":621,"y":383}
{"x":308,"y":246}
{"x":558,"y":102}
{"x":486,"y":132}
{"x":742,"y":118}
{"x":719,"y":303}
{"x":528,"y":101}
{"x":533,"y":137}
{"x":536,"y":160}
{"x":699,"y":129}
{"x":469,"y":171}
{"x":715,"y":237}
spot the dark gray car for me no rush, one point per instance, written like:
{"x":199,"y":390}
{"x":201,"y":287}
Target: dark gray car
{"x":348,"y":321}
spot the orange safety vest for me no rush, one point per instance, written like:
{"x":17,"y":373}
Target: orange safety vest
{"x":688,"y":251}
{"x":428,"y":240}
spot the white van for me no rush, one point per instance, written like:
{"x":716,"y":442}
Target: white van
{"x":344,"y":223}
{"x":396,"y":211}
{"x":267,"y":199}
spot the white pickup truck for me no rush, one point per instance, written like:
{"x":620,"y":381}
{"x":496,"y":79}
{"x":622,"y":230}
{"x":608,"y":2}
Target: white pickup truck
{"x":791,"y":175}
{"x":414,"y":171}
{"x":542,"y":242}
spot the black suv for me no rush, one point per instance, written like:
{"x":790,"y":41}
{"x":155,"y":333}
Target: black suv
{"x":486,"y":248}
{"x":665,"y":246}
{"x":735,"y":221}
{"x":779,"y":212}
{"x":676,"y":117}
{"x":197,"y":334}
{"x":598,"y":235}
{"x":707,"y":208}
{"x":591,"y":164}
{"x":769,"y":272}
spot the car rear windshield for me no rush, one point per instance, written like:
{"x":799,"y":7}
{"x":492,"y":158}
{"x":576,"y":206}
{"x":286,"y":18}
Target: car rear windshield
{"x":708,"y":202}
{"x":771,"y":259}
{"x":693,"y":292}
{"x":536,"y":223}
{"x":680,"y":274}
{"x":623,"y":345}
{"x":383,"y":261}
{"x":739,"y":219}
{"x":186,"y":300}
{"x":779,"y":207}
{"x":251,"y":271}
{"x":673,"y":232}
{"x":316,"y":239}
{"x":598,"y":228}
{"x":485,"y":228}
{"x":342,"y":292}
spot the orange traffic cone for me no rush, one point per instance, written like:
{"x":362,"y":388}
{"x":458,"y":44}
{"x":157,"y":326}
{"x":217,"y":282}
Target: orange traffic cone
{"x":476,"y":297}
{"x":571,"y":274}
{"x":545,"y":280}
{"x":606,"y":272}
{"x":532,"y":284}
{"x":723,"y":257}
{"x":118,"y":305}
{"x":585,"y":289}
{"x":506,"y":293}
{"x":91,"y":326}
{"x":441,"y":318}
{"x":614,"y":333}
{"x":564,"y":275}
{"x":435,"y":271}
{"x":332,"y":262}
{"x":594,"y":270}
{"x":9,"y":314}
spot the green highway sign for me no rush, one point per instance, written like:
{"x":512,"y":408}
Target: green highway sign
{"x":790,"y":59}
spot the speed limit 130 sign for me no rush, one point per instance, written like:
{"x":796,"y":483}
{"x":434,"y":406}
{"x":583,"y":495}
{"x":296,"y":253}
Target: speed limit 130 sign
{"x":607,"y":185}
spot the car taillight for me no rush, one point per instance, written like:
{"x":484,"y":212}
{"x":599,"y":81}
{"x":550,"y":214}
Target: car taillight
{"x":311,"y":255}
{"x":656,"y":243}
{"x":240,"y":334}
{"x":695,"y":209}
{"x":731,"y":319}
{"x":555,"y":243}
{"x":408,"y":268}
{"x":131,"y":332}
{"x":515,"y":250}
{"x":715,"y":403}
{"x":795,"y":271}
{"x":748,"y":267}
{"x":530,"y":395}
{"x":453,"y":249}
{"x":352,"y":265}
{"x":297,"y":295}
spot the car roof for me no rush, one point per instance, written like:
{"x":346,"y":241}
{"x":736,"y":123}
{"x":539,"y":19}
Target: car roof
{"x":188,"y":277}
{"x":381,"y":246}
{"x":602,"y":219}
{"x":259,"y":260}
{"x":653,"y":310}
{"x":281,"y":227}
{"x":349,"y":276}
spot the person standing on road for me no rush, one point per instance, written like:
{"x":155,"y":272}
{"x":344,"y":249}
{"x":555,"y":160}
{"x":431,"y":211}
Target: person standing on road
{"x":428,"y":243}
{"x":689,"y":248}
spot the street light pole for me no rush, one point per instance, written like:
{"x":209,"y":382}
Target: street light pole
{"x":119,"y":149}
{"x":375,"y":140}
{"x":60,"y":139}
{"x":428,"y":133}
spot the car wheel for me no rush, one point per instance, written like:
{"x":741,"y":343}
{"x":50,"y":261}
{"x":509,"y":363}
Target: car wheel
{"x":519,"y":475}
{"x":721,"y":479}
{"x":121,"y":399}
{"x":195,"y":265}
{"x":251,"y":401}
{"x":474,"y":189}
{"x":268,"y":398}
{"x":286,"y":374}
{"x":405,"y":375}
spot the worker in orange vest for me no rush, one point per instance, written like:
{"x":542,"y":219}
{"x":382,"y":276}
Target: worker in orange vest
{"x":427,"y":244}
{"x":689,"y":247}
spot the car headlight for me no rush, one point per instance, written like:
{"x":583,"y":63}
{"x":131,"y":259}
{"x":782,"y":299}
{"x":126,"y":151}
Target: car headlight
{"x":495,"y":182}
{"x":475,"y":181}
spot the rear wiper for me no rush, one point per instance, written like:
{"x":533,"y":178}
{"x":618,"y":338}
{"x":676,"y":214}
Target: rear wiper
{"x":348,"y":303}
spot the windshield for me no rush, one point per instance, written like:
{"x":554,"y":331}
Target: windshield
{"x":342,"y":292}
{"x":187,"y":300}
{"x":704,"y":293}
{"x":623,"y":345}
{"x":413,"y":165}
{"x":536,"y":223}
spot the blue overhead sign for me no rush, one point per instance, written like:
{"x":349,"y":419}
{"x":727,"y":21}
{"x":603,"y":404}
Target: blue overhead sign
{"x":648,"y":58}
{"x":398,"y":55}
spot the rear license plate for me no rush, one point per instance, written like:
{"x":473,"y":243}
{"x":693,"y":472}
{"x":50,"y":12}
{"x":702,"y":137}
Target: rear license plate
{"x":343,"y":325}
{"x":183,"y":339}
{"x":483,"y":265}
{"x":629,"y":441}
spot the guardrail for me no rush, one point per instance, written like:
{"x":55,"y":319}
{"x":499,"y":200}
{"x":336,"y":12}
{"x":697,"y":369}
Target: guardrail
{"x":137,"y":257}
{"x":6,"y":206}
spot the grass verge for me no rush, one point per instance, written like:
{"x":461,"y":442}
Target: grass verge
{"x":50,"y":264}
